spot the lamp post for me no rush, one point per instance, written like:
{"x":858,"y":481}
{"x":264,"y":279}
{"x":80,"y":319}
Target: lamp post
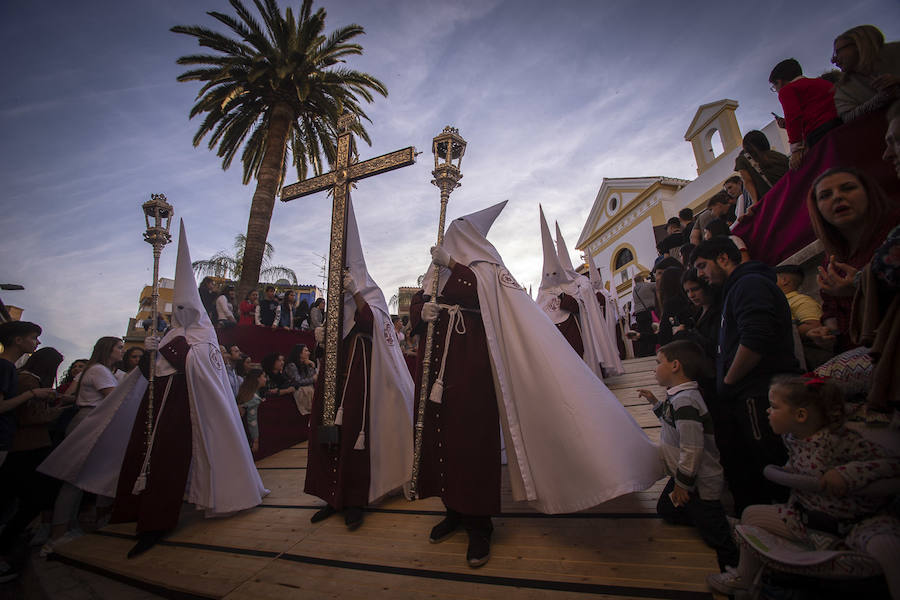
{"x":448,"y":148}
{"x":158,"y":218}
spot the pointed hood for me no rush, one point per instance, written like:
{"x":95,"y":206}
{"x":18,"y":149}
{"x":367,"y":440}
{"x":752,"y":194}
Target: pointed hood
{"x":483,"y":219}
{"x":564,"y":259}
{"x":189,"y":318}
{"x":356,"y":262}
{"x":553,"y":273}
{"x":466,"y":241}
{"x":596,"y":279}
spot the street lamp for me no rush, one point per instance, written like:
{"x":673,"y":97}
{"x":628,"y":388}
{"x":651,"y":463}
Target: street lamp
{"x":448,"y":148}
{"x":158,"y":218}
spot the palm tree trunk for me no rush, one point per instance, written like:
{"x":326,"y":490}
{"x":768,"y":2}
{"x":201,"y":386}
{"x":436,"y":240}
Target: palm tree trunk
{"x":264,"y":197}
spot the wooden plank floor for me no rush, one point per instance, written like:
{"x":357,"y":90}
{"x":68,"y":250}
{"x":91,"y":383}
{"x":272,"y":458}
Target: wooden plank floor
{"x":617,"y":550}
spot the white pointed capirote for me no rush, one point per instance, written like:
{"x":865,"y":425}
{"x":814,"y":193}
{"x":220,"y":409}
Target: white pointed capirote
{"x":564,"y":259}
{"x":596,"y":278}
{"x":483,"y":219}
{"x":468,"y":242}
{"x":599,"y":347}
{"x":554,"y":279}
{"x":390,"y":386}
{"x":552,"y":417}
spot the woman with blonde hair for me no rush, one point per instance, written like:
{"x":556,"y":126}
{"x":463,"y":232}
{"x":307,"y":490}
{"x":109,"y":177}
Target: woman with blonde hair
{"x":870,"y":72}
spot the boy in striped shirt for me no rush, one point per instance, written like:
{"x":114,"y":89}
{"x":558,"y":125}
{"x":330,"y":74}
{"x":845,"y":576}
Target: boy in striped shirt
{"x":688,"y":450}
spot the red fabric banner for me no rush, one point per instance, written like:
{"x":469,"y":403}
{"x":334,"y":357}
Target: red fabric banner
{"x":780,"y":226}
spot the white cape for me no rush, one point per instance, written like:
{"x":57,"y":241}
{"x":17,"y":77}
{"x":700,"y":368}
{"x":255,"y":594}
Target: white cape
{"x":573,"y":443}
{"x":599,"y":346}
{"x":90,"y":457}
{"x":223,"y":478}
{"x":570,"y":443}
{"x":390,"y":385}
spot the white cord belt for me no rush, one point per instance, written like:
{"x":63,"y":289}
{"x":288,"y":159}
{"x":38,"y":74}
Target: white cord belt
{"x":456,"y":324}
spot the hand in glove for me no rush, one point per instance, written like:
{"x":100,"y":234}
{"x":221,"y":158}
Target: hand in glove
{"x":439,"y":256}
{"x":151,"y":343}
{"x":430,"y":311}
{"x":320,"y":334}
{"x":349,"y":284}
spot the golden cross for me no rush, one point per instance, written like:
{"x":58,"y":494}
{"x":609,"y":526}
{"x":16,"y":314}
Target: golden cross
{"x":339,"y":180}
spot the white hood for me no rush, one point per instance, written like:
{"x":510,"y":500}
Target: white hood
{"x":570,"y":443}
{"x":390,"y":385}
{"x":554,"y":278}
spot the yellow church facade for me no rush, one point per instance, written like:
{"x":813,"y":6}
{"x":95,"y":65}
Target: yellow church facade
{"x":620,"y":233}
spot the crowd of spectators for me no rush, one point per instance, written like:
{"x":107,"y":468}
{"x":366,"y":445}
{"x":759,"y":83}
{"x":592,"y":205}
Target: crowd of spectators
{"x":758,"y":327}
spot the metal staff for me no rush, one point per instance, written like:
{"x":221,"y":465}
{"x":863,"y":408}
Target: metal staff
{"x":158,"y":217}
{"x":447,"y":147}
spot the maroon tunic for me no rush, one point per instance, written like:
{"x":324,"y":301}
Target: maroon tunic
{"x":460,"y":459}
{"x":158,"y":506}
{"x":569,"y":328}
{"x":337,"y":473}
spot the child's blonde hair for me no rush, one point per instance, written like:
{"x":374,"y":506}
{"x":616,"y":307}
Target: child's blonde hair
{"x":813,"y":392}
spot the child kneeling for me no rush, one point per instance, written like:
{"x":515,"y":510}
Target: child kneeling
{"x":809,"y":415}
{"x":692,"y":495}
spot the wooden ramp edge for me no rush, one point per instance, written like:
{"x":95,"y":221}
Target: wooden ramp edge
{"x":619,"y":549}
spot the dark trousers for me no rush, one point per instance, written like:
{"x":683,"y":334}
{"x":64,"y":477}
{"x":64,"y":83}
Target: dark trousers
{"x":35,"y":491}
{"x":643,"y":324}
{"x":746,"y":445}
{"x":481,"y":523}
{"x":708,"y":517}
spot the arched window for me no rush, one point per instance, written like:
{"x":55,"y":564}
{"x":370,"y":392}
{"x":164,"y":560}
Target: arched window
{"x":714,"y":142}
{"x":623,"y":258}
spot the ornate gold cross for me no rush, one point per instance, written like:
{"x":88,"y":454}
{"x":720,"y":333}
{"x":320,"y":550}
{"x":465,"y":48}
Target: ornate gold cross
{"x":339,"y":180}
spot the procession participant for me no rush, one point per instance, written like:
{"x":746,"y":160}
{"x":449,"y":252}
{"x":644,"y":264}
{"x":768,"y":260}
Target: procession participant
{"x":561,"y":307}
{"x":551,"y":416}
{"x":600,"y":347}
{"x":198,"y":450}
{"x":609,"y":305}
{"x":373,"y":453}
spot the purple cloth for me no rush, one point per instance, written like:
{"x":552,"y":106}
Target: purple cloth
{"x":780,"y":225}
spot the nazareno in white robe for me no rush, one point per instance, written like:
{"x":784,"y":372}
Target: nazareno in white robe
{"x":570,"y":443}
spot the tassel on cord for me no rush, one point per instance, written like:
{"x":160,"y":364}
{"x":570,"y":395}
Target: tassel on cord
{"x":360,"y":441}
{"x":140,"y":484}
{"x":339,"y":416}
{"x":455,"y":324}
{"x":437,"y":392}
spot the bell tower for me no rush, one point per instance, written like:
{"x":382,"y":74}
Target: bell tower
{"x":713,"y":132}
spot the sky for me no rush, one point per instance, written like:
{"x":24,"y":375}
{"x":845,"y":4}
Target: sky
{"x":551,"y":98}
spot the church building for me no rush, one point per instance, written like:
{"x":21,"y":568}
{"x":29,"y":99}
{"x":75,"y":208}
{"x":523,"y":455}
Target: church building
{"x":629,"y":214}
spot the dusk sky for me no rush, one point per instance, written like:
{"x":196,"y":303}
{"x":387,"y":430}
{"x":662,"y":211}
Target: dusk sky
{"x":550,"y":96}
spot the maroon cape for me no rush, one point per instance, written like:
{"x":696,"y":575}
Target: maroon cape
{"x":337,"y":473}
{"x":569,"y":328}
{"x":158,"y":506}
{"x":460,"y":459}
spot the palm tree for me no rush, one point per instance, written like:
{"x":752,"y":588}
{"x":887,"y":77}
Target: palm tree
{"x":274,"y":85}
{"x":221,"y":264}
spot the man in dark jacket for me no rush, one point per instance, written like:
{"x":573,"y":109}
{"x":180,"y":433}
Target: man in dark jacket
{"x":755,"y":343}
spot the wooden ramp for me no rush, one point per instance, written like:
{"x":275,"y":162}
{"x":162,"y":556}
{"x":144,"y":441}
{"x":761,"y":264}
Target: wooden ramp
{"x":617,"y":550}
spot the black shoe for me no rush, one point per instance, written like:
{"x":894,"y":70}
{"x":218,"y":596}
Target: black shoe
{"x":322,"y":514}
{"x":444,"y":529}
{"x":479,"y":551}
{"x":353,"y":517}
{"x":146,"y":541}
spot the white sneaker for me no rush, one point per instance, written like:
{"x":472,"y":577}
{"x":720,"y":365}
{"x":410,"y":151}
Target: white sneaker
{"x":728,"y":582}
{"x":41,"y":535}
{"x":48,"y":548}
